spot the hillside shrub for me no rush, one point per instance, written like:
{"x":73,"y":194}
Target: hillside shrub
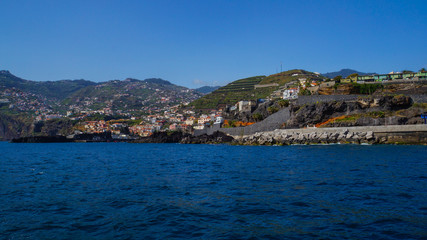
{"x":283,"y":103}
{"x":367,"y":88}
{"x":257,"y":117}
{"x":272,"y":109}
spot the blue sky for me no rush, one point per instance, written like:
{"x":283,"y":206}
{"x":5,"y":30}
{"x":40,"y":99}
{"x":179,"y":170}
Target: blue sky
{"x":195,"y":43}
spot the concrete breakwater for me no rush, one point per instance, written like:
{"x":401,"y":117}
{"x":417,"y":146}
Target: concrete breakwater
{"x":394,"y":134}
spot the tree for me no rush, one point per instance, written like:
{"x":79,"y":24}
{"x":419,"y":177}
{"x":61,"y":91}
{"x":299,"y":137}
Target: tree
{"x":423,"y":70}
{"x":337,"y":78}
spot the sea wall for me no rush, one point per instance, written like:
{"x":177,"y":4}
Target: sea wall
{"x":394,"y":134}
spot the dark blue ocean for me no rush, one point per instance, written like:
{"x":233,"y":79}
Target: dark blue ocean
{"x":175,"y":191}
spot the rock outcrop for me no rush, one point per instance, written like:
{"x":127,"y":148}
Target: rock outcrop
{"x":312,"y":114}
{"x":179,"y":137}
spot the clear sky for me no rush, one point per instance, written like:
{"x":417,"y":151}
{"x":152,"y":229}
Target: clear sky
{"x":203,"y":42}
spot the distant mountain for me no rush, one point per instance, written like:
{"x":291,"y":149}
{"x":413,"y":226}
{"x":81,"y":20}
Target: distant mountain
{"x":50,"y":89}
{"x":344,"y":73}
{"x":207,"y":89}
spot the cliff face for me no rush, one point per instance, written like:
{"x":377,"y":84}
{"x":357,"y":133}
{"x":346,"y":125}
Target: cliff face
{"x":20,"y":125}
{"x":381,"y":110}
{"x":15,"y":126}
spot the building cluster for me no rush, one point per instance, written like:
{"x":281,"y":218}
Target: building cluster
{"x":171,"y":120}
{"x":393,"y":76}
{"x":26,"y":102}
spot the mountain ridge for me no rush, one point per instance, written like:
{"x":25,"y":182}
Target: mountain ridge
{"x":345,"y":72}
{"x":78,"y":95}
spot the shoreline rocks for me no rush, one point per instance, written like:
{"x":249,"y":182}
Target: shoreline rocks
{"x":354,"y":135}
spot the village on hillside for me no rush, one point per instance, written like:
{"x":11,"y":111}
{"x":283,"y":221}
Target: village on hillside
{"x":128,"y":123}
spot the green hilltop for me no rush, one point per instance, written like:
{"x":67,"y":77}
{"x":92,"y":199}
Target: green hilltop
{"x":231,"y":93}
{"x":244,"y":89}
{"x":288,"y":76}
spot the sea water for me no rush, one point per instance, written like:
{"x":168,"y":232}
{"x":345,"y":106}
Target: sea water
{"x":175,"y":191}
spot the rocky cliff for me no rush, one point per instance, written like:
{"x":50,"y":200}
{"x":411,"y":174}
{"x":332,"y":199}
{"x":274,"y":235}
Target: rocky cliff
{"x":13,"y":126}
{"x":365,"y":111}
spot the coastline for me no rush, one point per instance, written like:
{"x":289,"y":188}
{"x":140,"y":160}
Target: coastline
{"x":391,"y":134}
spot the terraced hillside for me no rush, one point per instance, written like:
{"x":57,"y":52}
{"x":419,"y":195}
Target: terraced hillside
{"x":242,"y":89}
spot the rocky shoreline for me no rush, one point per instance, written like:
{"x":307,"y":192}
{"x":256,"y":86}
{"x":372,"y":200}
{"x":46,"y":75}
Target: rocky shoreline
{"x":408,"y":134}
{"x":392,"y":134}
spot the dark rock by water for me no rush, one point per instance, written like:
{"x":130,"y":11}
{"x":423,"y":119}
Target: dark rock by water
{"x":41,"y":139}
{"x":180,"y":137}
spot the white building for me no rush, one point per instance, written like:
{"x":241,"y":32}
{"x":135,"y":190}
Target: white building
{"x":219,"y":120}
{"x":291,"y":93}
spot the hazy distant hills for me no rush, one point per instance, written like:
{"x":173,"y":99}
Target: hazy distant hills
{"x":207,"y":89}
{"x":344,"y":73}
{"x":129,"y":94}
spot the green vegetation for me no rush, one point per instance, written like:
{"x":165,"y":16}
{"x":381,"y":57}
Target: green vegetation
{"x":56,"y":89}
{"x":272,"y":109}
{"x":366,"y":88}
{"x":375,"y":114}
{"x":15,"y":124}
{"x":420,"y":105}
{"x":351,"y":118}
{"x":288,"y":76}
{"x":98,"y":117}
{"x":242,"y":89}
{"x":257,"y":117}
{"x":283,"y":103}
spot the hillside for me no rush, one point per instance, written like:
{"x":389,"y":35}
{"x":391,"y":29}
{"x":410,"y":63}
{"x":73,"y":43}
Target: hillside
{"x":130,"y":94}
{"x":50,"y":89}
{"x":288,"y":76}
{"x":244,"y":89}
{"x":51,"y":97}
{"x":344,"y":73}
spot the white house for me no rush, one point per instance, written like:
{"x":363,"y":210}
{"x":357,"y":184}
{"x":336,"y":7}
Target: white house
{"x":291,"y":93}
{"x":219,"y":120}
